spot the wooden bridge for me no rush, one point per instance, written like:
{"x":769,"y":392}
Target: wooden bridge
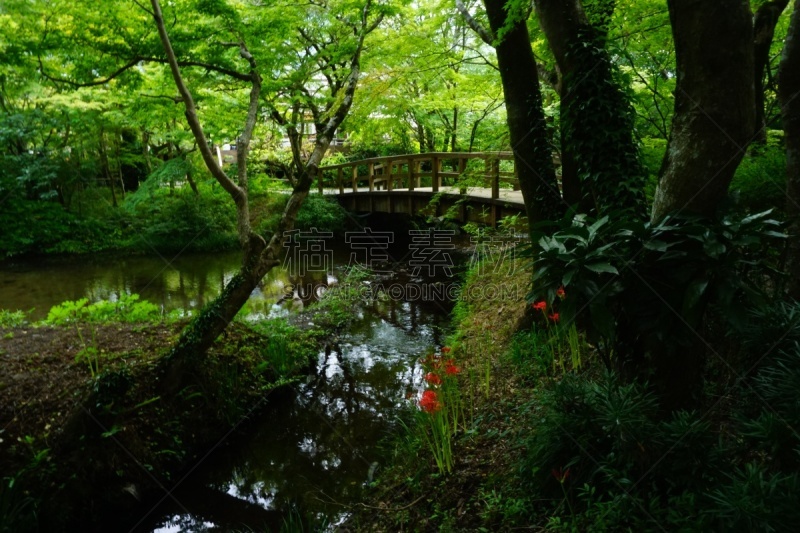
{"x":475,"y":186}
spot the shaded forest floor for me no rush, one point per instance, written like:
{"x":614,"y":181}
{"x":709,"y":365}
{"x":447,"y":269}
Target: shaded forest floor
{"x":41,"y":383}
{"x":66,"y":431}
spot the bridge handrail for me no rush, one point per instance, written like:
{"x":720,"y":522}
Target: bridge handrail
{"x":506,"y":156}
{"x":413,"y":171}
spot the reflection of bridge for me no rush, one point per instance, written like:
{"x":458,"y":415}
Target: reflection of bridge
{"x":480,"y":186}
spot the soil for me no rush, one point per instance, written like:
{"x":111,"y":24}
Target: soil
{"x":65,"y":433}
{"x":41,"y":383}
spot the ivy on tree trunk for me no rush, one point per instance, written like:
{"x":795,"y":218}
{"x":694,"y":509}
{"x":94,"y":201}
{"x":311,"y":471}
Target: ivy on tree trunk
{"x":789,"y":95}
{"x":601,"y":171}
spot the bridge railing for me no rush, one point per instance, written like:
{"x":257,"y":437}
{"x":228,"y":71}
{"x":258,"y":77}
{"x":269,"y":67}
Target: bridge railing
{"x":409,"y":171}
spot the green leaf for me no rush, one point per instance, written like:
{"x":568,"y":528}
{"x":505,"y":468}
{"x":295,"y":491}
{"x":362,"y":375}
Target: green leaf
{"x":694,"y":292}
{"x":602,"y":268}
{"x":656,"y":245}
{"x":714,"y":248}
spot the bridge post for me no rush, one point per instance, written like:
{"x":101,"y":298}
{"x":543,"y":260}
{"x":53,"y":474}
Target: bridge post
{"x":410,"y":174}
{"x":339,"y":180}
{"x":389,"y":177}
{"x":355,"y":178}
{"x":494,"y":173}
{"x":436,"y":165}
{"x":462,"y":167}
{"x":320,"y":175}
{"x":371,"y":174}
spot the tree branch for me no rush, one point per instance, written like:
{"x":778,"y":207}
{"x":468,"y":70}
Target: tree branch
{"x":130,"y":64}
{"x":485,"y":35}
{"x":239,"y":195}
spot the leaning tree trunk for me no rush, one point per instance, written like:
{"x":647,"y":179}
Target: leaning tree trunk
{"x":714,"y":117}
{"x":601,"y":170}
{"x":533,"y":154}
{"x":258,"y":256}
{"x":764,"y":23}
{"x":789,"y":94}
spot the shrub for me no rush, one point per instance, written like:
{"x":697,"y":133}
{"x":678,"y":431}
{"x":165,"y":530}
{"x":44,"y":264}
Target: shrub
{"x":639,"y":286}
{"x":599,"y":450}
{"x":322,"y":213}
{"x":760,"y":179}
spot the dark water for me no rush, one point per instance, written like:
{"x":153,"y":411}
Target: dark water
{"x":311,"y":451}
{"x":187,"y":281}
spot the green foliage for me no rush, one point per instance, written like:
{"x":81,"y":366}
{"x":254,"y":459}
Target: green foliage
{"x":46,"y":227}
{"x":17,"y":510}
{"x":760,"y":179}
{"x":335,"y":307}
{"x":754,"y":500}
{"x":127,"y":308}
{"x":285,"y":349}
{"x":637,"y":285}
{"x":652,"y":153}
{"x":322,"y":213}
{"x":600,"y":449}
{"x":12,"y":319}
{"x":608,"y":458}
{"x":159,"y":218}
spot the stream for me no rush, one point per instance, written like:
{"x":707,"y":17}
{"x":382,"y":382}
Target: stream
{"x":312,"y":451}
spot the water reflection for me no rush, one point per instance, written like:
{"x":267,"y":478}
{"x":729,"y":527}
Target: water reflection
{"x":186,"y":282}
{"x":313,"y":449}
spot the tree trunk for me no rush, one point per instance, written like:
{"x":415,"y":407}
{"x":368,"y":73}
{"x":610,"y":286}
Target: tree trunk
{"x":533,"y":155}
{"x":764,"y":23}
{"x":146,"y":151}
{"x":190,"y":179}
{"x":714,"y":117}
{"x":711,"y":128}
{"x":601,"y":170}
{"x":106,"y":169}
{"x":118,"y":157}
{"x":454,"y":132}
{"x":789,"y":95}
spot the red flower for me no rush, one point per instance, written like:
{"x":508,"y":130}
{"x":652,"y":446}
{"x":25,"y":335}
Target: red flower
{"x":540,"y":306}
{"x":560,"y":476}
{"x":430,"y":402}
{"x":450,"y":368}
{"x":560,"y":292}
{"x":445,"y":349}
{"x":433,"y":379}
{"x":554,"y":317}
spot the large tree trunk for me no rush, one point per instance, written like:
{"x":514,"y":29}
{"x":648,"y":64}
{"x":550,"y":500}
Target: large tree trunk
{"x":714,"y":117}
{"x":764,"y":23}
{"x":533,"y":154}
{"x":789,"y":94}
{"x":711,"y":128}
{"x":601,"y":171}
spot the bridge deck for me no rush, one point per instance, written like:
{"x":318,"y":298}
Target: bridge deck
{"x":485,"y":193}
